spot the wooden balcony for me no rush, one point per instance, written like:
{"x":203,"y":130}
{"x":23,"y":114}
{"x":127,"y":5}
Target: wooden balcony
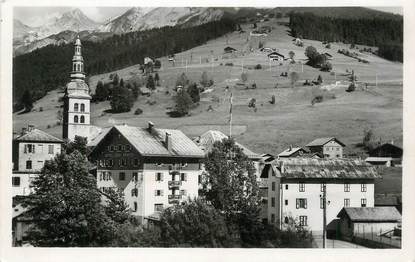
{"x":174,"y":198}
{"x":174,"y":184}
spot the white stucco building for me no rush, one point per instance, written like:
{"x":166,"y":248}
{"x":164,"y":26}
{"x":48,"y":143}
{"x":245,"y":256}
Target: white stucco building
{"x":30,"y":151}
{"x":154,"y":167}
{"x":293,"y":188}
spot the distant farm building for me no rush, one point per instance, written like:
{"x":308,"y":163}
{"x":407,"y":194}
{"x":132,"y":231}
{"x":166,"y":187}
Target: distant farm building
{"x":148,"y":60}
{"x":298,"y":42}
{"x":386,"y":154}
{"x":267,"y":49}
{"x":292,"y":152}
{"x":229,"y":50}
{"x":275,"y":56}
{"x":328,"y":147}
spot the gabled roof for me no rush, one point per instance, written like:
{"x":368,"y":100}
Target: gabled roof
{"x":152,"y":143}
{"x":324,"y":140}
{"x":228,"y":48}
{"x":316,"y":168}
{"x":36,"y":135}
{"x":275,"y":53}
{"x":371,"y":214}
{"x":208,"y":138}
{"x":290,"y":151}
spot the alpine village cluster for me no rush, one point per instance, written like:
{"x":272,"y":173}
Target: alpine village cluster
{"x":312,"y":189}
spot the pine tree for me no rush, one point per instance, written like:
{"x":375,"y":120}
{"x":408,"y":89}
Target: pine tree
{"x":121,"y":100}
{"x":183,"y":102}
{"x":157,"y":78}
{"x":150,"y":83}
{"x":27,"y":100}
{"x":193,"y":91}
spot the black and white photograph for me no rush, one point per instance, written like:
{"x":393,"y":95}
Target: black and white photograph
{"x":255,"y":127}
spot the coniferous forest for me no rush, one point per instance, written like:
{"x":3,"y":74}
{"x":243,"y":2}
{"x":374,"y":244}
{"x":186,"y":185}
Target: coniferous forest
{"x":386,"y":33}
{"x":47,"y":68}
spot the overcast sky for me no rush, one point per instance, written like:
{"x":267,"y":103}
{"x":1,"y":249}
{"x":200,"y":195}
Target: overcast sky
{"x":34,"y":15}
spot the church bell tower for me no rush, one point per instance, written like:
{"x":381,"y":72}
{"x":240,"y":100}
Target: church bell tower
{"x":76,"y":108}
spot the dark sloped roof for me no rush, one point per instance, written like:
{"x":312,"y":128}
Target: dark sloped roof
{"x":324,"y":140}
{"x":208,"y":138}
{"x":275,"y":53}
{"x":312,"y":168}
{"x":371,"y":214}
{"x":290,"y":151}
{"x":152,"y":144}
{"x":38,"y":136}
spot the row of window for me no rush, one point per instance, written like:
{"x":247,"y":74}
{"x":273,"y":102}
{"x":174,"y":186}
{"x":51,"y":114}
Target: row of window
{"x":105,"y":176}
{"x":302,"y":202}
{"x":77,"y":119}
{"x":31,"y":149}
{"x":121,"y":162}
{"x":114,"y":148}
{"x":301,"y":187}
{"x":157,"y":207}
{"x":160,"y":177}
{"x":76,"y":107}
{"x":157,"y":192}
{"x":332,"y":148}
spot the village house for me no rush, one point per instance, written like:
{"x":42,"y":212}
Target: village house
{"x":327,"y":147}
{"x":31,"y":149}
{"x":294,"y":187}
{"x":292,"y":152}
{"x":154,"y":167}
{"x":275,"y":56}
{"x":359,"y":221}
{"x":386,"y":154}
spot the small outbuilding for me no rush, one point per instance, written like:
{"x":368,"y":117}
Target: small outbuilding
{"x":229,"y":50}
{"x":355,"y":221}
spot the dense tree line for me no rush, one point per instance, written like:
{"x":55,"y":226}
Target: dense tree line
{"x":385,"y":33}
{"x":47,"y":68}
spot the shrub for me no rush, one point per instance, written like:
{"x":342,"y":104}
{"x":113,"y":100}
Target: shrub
{"x":317,"y":99}
{"x":326,"y":66}
{"x":138,"y":111}
{"x":40,"y":109}
{"x":228,"y":64}
{"x":258,"y":66}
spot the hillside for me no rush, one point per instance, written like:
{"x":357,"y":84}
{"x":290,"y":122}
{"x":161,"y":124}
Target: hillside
{"x":291,"y":121}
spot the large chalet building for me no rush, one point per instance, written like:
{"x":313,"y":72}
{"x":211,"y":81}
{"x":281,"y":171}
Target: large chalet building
{"x":154,"y":167}
{"x":294,"y":187}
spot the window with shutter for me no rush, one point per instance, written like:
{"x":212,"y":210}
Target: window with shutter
{"x":297,"y":203}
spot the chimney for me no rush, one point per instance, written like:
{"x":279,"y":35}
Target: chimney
{"x":290,"y":148}
{"x":392,"y":142}
{"x":167,"y":142}
{"x":24,"y":130}
{"x":30,"y":128}
{"x":150,"y":127}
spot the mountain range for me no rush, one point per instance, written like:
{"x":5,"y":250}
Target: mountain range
{"x":59,"y":28}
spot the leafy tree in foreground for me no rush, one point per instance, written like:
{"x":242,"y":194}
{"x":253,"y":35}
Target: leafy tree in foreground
{"x":231,"y":179}
{"x":193,"y":224}
{"x":66,"y":205}
{"x":79,"y":144}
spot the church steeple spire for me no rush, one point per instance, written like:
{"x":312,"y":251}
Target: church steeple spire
{"x":78,"y":62}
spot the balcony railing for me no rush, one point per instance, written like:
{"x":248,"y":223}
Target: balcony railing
{"x":174,"y":198}
{"x":174,"y":184}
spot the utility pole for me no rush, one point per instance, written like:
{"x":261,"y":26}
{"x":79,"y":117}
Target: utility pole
{"x":324,"y":215}
{"x":186,"y":65}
